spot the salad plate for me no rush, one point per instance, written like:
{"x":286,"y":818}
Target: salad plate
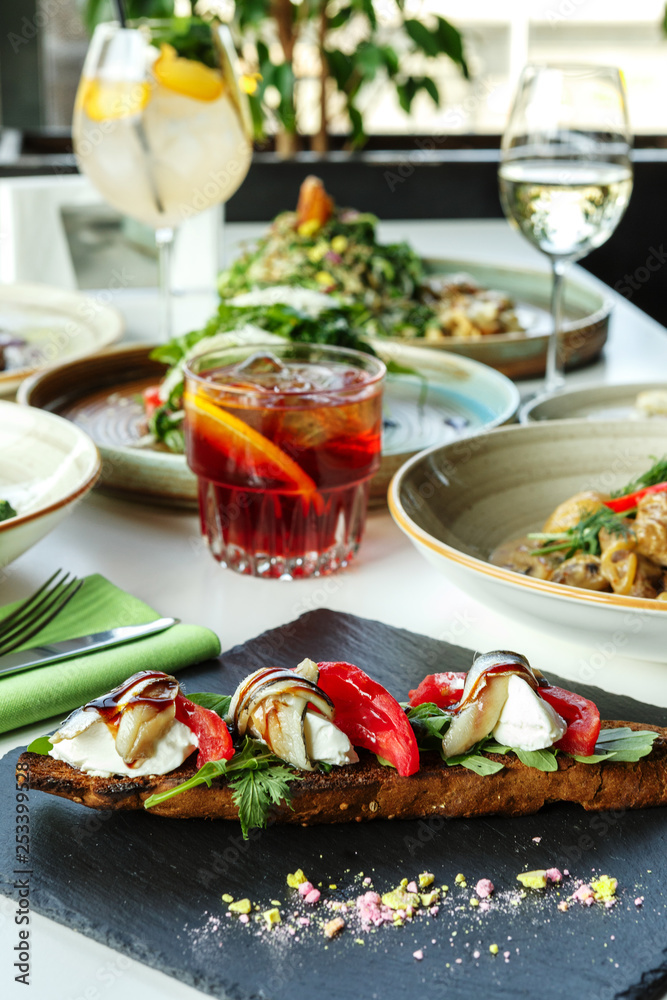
{"x":40,"y":326}
{"x":444,"y":400}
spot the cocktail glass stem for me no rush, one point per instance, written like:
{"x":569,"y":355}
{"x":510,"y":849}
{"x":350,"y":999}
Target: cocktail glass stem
{"x":164,"y":238}
{"x":555,"y":377}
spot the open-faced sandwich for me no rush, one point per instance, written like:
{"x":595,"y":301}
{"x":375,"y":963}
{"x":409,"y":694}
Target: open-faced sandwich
{"x":325,"y":743}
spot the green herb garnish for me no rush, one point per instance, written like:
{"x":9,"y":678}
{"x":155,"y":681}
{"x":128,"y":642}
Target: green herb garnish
{"x":258,"y":780}
{"x":430,"y":724}
{"x":583,"y":536}
{"x":218,"y":703}
{"x":656,"y":474}
{"x":41,"y":745}
{"x":6,"y":510}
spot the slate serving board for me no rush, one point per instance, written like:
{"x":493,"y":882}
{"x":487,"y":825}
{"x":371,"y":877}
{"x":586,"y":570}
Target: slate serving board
{"x":151,"y":887}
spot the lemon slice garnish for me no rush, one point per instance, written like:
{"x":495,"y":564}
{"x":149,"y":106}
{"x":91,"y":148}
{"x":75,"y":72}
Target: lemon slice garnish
{"x":105,"y":100}
{"x":187,"y":76}
{"x":248,"y":446}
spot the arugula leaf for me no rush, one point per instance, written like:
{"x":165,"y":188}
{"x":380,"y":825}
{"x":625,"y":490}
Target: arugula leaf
{"x":218,"y":703}
{"x":260,"y":780}
{"x":430,"y":724}
{"x":543,"y":760}
{"x":627,"y":745}
{"x":383,"y":761}
{"x":41,"y":745}
{"x":492,"y":747}
{"x":594,"y":758}
{"x":476,"y":762}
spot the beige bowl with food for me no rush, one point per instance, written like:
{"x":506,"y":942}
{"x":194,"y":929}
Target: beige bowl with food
{"x":459,"y":502}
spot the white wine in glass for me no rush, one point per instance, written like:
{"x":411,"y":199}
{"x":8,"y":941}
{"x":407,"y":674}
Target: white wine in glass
{"x":162,"y":126}
{"x":565,"y":175}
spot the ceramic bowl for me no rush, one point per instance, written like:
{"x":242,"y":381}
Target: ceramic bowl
{"x":457,"y":503}
{"x":47,"y":465}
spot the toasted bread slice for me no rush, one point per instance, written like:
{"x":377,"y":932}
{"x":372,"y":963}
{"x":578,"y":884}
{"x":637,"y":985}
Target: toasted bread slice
{"x":367,"y":791}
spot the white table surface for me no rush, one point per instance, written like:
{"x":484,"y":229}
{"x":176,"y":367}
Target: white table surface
{"x":154,"y":553}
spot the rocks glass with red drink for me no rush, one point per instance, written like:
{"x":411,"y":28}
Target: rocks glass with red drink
{"x":284,"y":441}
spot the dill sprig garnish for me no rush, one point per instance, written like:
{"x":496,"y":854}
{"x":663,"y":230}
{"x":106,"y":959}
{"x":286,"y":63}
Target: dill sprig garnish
{"x":583,"y":536}
{"x":656,"y":474}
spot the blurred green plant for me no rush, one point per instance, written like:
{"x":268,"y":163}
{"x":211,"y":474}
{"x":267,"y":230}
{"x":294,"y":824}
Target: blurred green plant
{"x":357,"y":42}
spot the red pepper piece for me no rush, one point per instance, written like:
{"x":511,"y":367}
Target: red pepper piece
{"x":582,"y":717}
{"x":630,"y":500}
{"x":442,"y":689}
{"x":152,"y":400}
{"x":215,"y":741}
{"x":369,"y":716}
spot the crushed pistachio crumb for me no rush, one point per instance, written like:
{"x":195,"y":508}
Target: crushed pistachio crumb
{"x":493,"y":948}
{"x":295,"y":879}
{"x":226,"y":898}
{"x":272,"y":917}
{"x":240,"y":906}
{"x":533,"y":880}
{"x":425,"y":880}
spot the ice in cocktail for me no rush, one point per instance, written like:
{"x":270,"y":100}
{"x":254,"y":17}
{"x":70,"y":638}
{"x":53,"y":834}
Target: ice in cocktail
{"x":284,"y":442}
{"x":161,"y":136}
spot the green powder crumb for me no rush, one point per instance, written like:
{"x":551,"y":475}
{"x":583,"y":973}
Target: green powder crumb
{"x":493,"y":948}
{"x":296,"y":879}
{"x":240,"y":906}
{"x":226,"y":898}
{"x":533,"y":880}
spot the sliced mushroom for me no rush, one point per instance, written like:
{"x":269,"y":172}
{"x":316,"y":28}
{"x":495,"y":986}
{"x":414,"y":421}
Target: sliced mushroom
{"x":484,"y":696}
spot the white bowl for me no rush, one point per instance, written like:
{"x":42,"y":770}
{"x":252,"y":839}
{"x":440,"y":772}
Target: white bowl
{"x":458,"y":502}
{"x":47,"y":465}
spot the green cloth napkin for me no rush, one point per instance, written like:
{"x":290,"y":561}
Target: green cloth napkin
{"x":45,"y":691}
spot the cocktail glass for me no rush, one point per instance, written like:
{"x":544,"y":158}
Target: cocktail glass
{"x":161,"y":125}
{"x":284,"y":441}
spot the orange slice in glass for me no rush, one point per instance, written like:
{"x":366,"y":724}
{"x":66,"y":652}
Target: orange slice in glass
{"x":106,"y":100}
{"x":252,"y":448}
{"x":187,"y":76}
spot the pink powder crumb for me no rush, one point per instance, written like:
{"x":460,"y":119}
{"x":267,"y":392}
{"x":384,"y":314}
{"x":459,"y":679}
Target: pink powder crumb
{"x":244,"y":918}
{"x":484,"y":888}
{"x":305,"y":888}
{"x":412,"y":887}
{"x":304,"y":921}
{"x":506,"y":954}
{"x":418,"y":955}
{"x":565,"y":872}
{"x":609,"y":903}
{"x":554,"y":875}
{"x":476,"y":954}
{"x":485,"y":905}
{"x":313,"y":896}
{"x":639,"y":901}
{"x":584,"y":894}
{"x":536,"y":840}
{"x":459,"y":961}
{"x":372,"y":910}
{"x":434,"y":910}
{"x":367,"y":880}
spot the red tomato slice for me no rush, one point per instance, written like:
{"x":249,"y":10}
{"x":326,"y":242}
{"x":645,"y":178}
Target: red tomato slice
{"x":443,"y":689}
{"x":369,"y":716}
{"x":152,"y":400}
{"x":215,"y":742}
{"x":582,"y":717}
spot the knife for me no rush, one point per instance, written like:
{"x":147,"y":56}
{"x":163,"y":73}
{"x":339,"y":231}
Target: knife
{"x":13,"y":663}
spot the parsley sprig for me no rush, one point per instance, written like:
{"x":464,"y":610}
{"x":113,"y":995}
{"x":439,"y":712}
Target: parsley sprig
{"x":584,"y":536}
{"x":258,"y":780}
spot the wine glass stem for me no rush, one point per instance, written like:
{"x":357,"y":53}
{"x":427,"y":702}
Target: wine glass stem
{"x":555,"y":378}
{"x":164,"y":238}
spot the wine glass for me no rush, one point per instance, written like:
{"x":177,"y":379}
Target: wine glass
{"x":162,"y":126}
{"x":565,"y":173}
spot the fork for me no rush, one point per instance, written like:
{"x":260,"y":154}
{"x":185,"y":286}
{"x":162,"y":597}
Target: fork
{"x":37,"y":611}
